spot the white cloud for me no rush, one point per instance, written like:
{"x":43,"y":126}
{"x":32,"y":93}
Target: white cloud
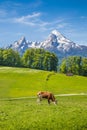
{"x":28,"y":20}
{"x":34,"y":20}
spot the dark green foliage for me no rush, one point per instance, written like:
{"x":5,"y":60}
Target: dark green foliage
{"x":40,"y":59}
{"x":74,"y":64}
{"x":1,"y":56}
{"x":9,"y":57}
{"x":84,"y":66}
{"x":63,"y":67}
{"x":32,"y":58}
{"x":43,"y":60}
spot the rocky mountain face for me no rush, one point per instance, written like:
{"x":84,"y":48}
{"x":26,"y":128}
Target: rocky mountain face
{"x":55,"y":42}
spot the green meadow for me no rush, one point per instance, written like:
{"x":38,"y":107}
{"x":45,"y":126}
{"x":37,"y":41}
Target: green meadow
{"x":24,"y":82}
{"x":18,"y":113}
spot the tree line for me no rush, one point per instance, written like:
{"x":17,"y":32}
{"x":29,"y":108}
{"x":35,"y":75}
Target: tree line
{"x":43,"y":60}
{"x":74,"y":64}
{"x":32,"y":58}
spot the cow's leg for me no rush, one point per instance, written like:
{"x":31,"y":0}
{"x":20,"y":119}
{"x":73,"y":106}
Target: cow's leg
{"x":48,"y":101}
{"x":55,"y":102}
{"x":39,"y":99}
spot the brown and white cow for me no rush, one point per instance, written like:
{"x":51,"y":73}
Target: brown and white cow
{"x":47,"y":95}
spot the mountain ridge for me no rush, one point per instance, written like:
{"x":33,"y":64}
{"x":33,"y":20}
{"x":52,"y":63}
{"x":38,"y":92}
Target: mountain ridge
{"x":55,"y":42}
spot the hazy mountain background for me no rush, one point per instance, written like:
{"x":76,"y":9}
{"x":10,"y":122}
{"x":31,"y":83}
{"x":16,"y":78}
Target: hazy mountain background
{"x":55,"y":42}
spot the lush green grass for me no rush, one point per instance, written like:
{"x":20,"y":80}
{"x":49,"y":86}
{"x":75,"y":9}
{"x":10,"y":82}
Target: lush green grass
{"x":26,"y":114}
{"x":69,"y":114}
{"x":17,"y":82}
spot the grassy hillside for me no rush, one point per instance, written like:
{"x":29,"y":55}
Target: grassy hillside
{"x":17,"y":82}
{"x":26,"y":114}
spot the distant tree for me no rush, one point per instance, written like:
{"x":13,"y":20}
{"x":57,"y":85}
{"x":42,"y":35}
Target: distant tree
{"x":74,"y":64}
{"x":28,"y":58}
{"x":84,"y":67}
{"x":63,"y":66}
{"x":46,"y":61}
{"x":1,"y":56}
{"x":50,"y":61}
{"x":11,"y":58}
{"x":40,"y":59}
{"x":71,"y":64}
{"x":38,"y":62}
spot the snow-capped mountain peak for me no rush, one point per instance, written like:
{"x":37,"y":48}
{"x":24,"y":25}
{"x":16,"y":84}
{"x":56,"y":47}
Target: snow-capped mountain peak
{"x":56,"y":38}
{"x":56,"y":42}
{"x":60,"y":37}
{"x":56,"y":33}
{"x":22,"y":40}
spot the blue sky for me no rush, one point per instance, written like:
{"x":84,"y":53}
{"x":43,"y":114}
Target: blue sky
{"x":35,"y":19}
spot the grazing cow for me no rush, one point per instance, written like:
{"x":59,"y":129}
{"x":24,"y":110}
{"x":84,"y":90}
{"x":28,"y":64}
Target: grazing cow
{"x":47,"y":95}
